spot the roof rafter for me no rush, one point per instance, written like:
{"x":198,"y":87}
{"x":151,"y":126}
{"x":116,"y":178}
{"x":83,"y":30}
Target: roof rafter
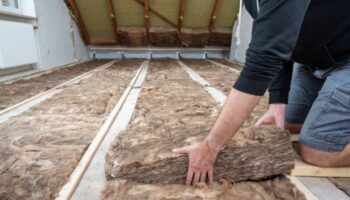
{"x":181,"y":15}
{"x":146,"y":15}
{"x":214,"y":14}
{"x":113,"y":17}
{"x":82,"y":27}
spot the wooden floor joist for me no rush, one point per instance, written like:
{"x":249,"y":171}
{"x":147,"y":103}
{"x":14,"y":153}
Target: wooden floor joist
{"x":68,"y":190}
{"x":303,"y":169}
{"x":224,"y":66}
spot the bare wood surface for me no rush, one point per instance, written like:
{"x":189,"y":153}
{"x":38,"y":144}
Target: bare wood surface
{"x":81,"y":24}
{"x":303,"y":169}
{"x":214,"y":14}
{"x":113,"y":17}
{"x":146,"y":15}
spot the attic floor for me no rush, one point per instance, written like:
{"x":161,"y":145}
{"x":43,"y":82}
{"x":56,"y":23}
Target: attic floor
{"x":50,"y":138}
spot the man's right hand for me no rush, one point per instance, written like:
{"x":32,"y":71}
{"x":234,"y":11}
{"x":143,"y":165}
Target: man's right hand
{"x":274,"y":116}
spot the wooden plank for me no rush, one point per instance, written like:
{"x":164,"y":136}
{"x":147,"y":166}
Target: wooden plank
{"x":303,"y":169}
{"x":81,"y":24}
{"x":68,"y":190}
{"x":113,"y":17}
{"x":157,"y":14}
{"x":214,"y":14}
{"x":146,"y":15}
{"x":181,"y":15}
{"x":94,"y":180}
{"x":223,"y":66}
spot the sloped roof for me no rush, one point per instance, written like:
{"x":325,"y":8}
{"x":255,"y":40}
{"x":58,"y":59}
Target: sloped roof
{"x":100,"y":20}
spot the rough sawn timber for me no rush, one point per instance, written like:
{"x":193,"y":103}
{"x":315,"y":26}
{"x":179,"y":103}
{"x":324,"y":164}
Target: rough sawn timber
{"x":143,"y":152}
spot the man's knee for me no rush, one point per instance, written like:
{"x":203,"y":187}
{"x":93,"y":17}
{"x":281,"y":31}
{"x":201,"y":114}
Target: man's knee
{"x":323,"y":158}
{"x":293,"y":128}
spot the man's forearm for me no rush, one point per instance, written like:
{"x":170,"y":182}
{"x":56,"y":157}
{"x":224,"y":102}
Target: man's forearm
{"x":235,"y":112}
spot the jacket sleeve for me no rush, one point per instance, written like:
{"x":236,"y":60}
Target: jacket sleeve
{"x":280,"y":85}
{"x":275,"y":32}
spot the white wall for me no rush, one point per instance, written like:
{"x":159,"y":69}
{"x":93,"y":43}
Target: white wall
{"x":59,"y":41}
{"x":245,"y":35}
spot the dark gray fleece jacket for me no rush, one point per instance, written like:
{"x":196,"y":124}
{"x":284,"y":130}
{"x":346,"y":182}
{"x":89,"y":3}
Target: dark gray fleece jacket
{"x":311,"y":32}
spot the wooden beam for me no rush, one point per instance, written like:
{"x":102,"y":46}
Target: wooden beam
{"x":181,"y":15}
{"x":303,"y":169}
{"x":113,"y":18}
{"x":214,"y":14}
{"x":146,"y":15}
{"x":180,"y":20}
{"x":157,"y":14}
{"x":83,"y":30}
{"x":69,"y":188}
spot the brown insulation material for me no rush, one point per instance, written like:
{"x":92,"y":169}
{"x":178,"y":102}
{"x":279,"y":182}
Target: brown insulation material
{"x":40,"y":148}
{"x":223,"y":79}
{"x":194,"y":37}
{"x":174,"y":111}
{"x":276,"y":189}
{"x":23,"y":89}
{"x":220,"y":37}
{"x":342,"y":183}
{"x":163,"y":37}
{"x":132,"y":36}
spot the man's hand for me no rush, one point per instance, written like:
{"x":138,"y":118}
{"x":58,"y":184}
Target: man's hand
{"x":201,"y":162}
{"x":274,"y":116}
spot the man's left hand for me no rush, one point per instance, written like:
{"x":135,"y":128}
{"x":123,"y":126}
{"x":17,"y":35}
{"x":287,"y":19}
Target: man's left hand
{"x":201,"y":161}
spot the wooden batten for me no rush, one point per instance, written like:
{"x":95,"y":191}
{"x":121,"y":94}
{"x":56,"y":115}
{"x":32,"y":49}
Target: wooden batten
{"x":82,"y":27}
{"x":304,"y":169}
{"x":214,"y":14}
{"x":146,"y":15}
{"x":113,"y":17}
